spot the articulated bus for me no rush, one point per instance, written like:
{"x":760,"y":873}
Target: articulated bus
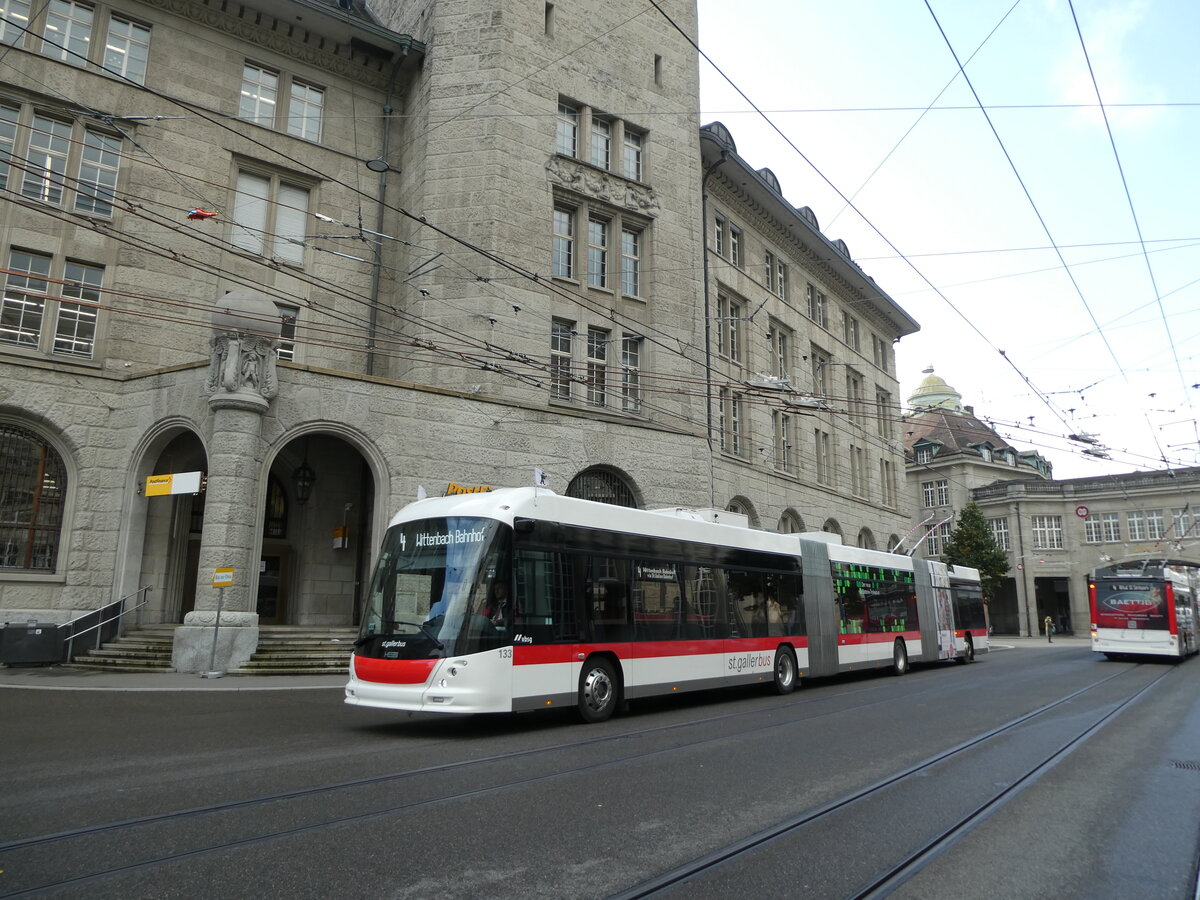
{"x":520,"y":599}
{"x":1144,"y":609}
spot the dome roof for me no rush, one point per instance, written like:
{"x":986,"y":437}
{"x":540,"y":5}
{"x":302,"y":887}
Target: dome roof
{"x":934,"y":393}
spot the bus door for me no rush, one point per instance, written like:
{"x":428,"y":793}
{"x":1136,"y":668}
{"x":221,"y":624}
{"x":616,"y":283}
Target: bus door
{"x":820,"y":609}
{"x":936,"y":607}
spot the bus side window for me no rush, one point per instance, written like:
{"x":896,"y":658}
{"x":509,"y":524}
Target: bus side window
{"x":543,"y":602}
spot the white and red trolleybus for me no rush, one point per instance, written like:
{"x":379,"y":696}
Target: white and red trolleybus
{"x":521,"y":599}
{"x":1144,"y":609}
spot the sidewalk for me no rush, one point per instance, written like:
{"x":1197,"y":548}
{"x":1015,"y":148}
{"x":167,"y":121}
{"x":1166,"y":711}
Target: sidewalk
{"x":60,"y":678}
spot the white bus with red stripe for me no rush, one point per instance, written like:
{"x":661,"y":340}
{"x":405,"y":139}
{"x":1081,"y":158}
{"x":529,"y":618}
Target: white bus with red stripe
{"x":521,"y":599}
{"x":1145,"y":609}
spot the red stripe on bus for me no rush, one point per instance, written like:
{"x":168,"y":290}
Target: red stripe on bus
{"x":394,"y":671}
{"x":541,"y":654}
{"x":885,"y":637}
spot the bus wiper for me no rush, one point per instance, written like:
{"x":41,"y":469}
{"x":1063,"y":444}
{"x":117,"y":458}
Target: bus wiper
{"x":433,"y":637}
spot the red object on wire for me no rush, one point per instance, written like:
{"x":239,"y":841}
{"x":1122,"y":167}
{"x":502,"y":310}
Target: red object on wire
{"x":201,"y":214}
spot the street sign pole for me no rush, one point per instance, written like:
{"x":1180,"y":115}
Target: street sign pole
{"x":222,"y":578}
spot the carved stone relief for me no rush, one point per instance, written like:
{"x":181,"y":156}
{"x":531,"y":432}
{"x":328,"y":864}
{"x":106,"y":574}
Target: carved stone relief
{"x":602,"y":186}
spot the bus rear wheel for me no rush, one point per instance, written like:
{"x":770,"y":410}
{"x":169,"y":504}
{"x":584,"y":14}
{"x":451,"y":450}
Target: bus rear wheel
{"x":968,"y":654}
{"x":785,"y":670}
{"x":597,"y":690}
{"x":899,"y":658}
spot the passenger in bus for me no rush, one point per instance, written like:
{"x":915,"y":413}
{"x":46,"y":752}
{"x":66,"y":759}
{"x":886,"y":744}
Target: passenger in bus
{"x":495,"y":605}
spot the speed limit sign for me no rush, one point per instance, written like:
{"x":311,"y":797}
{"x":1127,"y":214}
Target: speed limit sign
{"x":1081,"y":511}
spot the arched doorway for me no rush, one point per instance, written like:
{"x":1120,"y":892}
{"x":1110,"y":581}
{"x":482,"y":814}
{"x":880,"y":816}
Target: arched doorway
{"x":318,"y":533}
{"x":604,"y":485}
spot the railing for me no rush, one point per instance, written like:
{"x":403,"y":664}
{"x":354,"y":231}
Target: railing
{"x":103,"y":617}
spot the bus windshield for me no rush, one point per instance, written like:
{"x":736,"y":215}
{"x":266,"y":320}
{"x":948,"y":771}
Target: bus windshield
{"x":440,"y":588}
{"x":1131,"y":604}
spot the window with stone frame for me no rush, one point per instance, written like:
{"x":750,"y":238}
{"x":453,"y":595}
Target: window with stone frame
{"x":823,"y":456}
{"x":562,"y":334}
{"x":818,"y":307}
{"x":259,"y":101}
{"x":785,"y":452}
{"x":270,"y":212}
{"x":1047,"y":533}
{"x":33,"y":487}
{"x":999,"y":527}
{"x":57,"y":160}
{"x":597,"y":366}
{"x":601,"y":226}
{"x":631,"y":374}
{"x":51,"y":305}
{"x":601,"y":140}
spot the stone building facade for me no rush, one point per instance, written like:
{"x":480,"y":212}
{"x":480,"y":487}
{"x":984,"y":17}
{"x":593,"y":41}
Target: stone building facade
{"x":329,"y":256}
{"x":1054,"y":532}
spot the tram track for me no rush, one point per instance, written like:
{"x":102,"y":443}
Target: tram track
{"x":888,"y":879}
{"x":282,"y":805}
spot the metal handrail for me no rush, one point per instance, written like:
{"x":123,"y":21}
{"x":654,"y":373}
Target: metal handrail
{"x":70,"y":639}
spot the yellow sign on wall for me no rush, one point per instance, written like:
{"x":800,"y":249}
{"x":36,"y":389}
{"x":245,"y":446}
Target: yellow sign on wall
{"x":178,"y":483}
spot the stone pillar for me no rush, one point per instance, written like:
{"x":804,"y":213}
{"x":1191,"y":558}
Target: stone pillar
{"x":241,"y":384}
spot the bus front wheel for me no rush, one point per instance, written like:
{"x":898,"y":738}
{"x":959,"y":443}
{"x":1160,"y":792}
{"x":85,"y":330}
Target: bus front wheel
{"x":900,"y":658}
{"x":597,"y":690}
{"x":785,"y":670}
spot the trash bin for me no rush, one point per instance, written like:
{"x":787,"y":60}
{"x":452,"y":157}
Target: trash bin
{"x":33,"y":642}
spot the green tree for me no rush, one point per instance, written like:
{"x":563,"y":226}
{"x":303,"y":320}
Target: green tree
{"x":971,"y":544}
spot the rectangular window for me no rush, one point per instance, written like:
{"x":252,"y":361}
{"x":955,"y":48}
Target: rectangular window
{"x":560,"y":359}
{"x":75,"y":329}
{"x":288,"y":316}
{"x":127,"y":49}
{"x":879,"y":352}
{"x":887,"y":483}
{"x":822,"y":456}
{"x":597,"y":272}
{"x":14,"y":17}
{"x":601,"y":142}
{"x":883,"y":409}
{"x":631,"y":262}
{"x":68,"y":32}
{"x":923,"y":455}
{"x":1047,"y":533}
{"x":98,"y":170}
{"x":1112,"y":527}
{"x":937,"y":539}
{"x":1155,"y":529}
{"x":816,"y":307}
{"x":269,"y":217}
{"x":8,"y":140}
{"x":719,"y":234}
{"x":781,"y":280}
{"x":781,"y":350}
{"x":854,"y":392}
{"x":597,"y":367}
{"x":943,"y":492}
{"x":730,"y":425}
{"x":1091,"y":529}
{"x":563,"y":253}
{"x":631,"y":374}
{"x":850,"y":331}
{"x":732,"y":332}
{"x":567,"y":130}
{"x":1137,"y":525}
{"x":858,"y":471}
{"x":49,"y":145}
{"x":632,"y":155}
{"x":24,"y":304}
{"x":1182,"y":522}
{"x":306,"y":107}
{"x":1000,"y":533}
{"x":928,"y":494}
{"x":735,"y":245}
{"x":769,"y":271}
{"x":260,"y":93}
{"x":820,"y":372}
{"x":784,"y":459}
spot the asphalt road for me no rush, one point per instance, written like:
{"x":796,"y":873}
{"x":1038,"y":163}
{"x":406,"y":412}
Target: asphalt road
{"x":1049,"y":771}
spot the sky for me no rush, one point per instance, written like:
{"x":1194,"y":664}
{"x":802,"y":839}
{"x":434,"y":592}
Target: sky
{"x":1037,"y":217}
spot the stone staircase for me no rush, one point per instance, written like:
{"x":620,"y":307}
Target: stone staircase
{"x":282,"y":650}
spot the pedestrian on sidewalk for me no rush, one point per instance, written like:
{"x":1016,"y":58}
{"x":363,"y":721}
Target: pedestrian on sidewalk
{"x":1049,"y":623}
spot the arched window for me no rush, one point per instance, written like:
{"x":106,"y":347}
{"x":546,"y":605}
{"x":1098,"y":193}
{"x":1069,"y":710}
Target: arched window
{"x":744,"y":507}
{"x":866,"y":540}
{"x":790,"y":523}
{"x":832,"y":527}
{"x":33,"y":485}
{"x":602,"y":486}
